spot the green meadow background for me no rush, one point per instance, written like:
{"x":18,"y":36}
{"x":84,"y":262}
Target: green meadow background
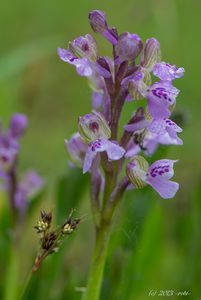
{"x":156,"y":243}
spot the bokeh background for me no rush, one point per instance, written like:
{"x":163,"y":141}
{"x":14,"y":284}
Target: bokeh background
{"x":156,"y":244}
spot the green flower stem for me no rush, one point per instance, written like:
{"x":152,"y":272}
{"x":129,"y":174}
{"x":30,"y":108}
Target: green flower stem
{"x":98,"y":262}
{"x":11,"y":290}
{"x":101,"y":246}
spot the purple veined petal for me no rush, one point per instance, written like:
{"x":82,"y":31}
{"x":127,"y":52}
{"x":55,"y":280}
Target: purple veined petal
{"x":161,"y":169}
{"x":166,"y":188}
{"x":172,"y":125}
{"x":136,"y":126}
{"x":84,"y":67}
{"x":157,"y":108}
{"x":102,"y":71}
{"x":169,"y":139}
{"x":113,"y":150}
{"x":173,"y":136}
{"x":89,"y":157}
{"x":164,"y":131}
{"x":168,"y":72}
{"x":67,"y":56}
{"x":110,"y":37}
{"x":158,"y":177}
{"x":160,"y":96}
{"x":157,"y":127}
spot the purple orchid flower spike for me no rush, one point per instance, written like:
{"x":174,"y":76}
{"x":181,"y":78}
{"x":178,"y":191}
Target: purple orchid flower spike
{"x":115,"y":81}
{"x":167,"y":72}
{"x":160,"y":97}
{"x":96,"y":132}
{"x":158,"y":175}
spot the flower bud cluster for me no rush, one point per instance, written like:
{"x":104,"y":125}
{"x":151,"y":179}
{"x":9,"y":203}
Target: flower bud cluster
{"x":127,"y":76}
{"x":51,"y":239}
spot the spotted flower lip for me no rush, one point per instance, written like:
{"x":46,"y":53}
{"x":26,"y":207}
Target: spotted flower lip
{"x":157,"y":175}
{"x":160,"y":97}
{"x":167,"y":72}
{"x":160,"y":131}
{"x":165,"y":132}
{"x":114,"y":151}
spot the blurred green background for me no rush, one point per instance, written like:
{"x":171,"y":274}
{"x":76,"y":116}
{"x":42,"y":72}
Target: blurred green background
{"x":156,"y":244}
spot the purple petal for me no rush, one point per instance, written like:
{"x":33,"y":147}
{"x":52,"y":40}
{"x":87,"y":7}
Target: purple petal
{"x":89,"y":157}
{"x":166,"y":189}
{"x":31,"y":184}
{"x":164,"y":131}
{"x":161,"y":169}
{"x":133,"y":150}
{"x":168,"y":72}
{"x":172,"y":125}
{"x":84,"y":67}
{"x":150,"y":146}
{"x":158,"y":177}
{"x":136,"y":126}
{"x":113,"y":150}
{"x":66,"y":56}
{"x":160,"y":96}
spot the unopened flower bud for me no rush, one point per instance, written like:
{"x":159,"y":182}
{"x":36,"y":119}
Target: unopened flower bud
{"x":76,"y":149}
{"x":136,"y":171}
{"x":97,"y":20}
{"x":129,"y":46}
{"x":84,"y":46}
{"x":18,"y":124}
{"x":138,"y":86}
{"x":151,"y":54}
{"x":45,"y":222}
{"x":93,"y":126}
